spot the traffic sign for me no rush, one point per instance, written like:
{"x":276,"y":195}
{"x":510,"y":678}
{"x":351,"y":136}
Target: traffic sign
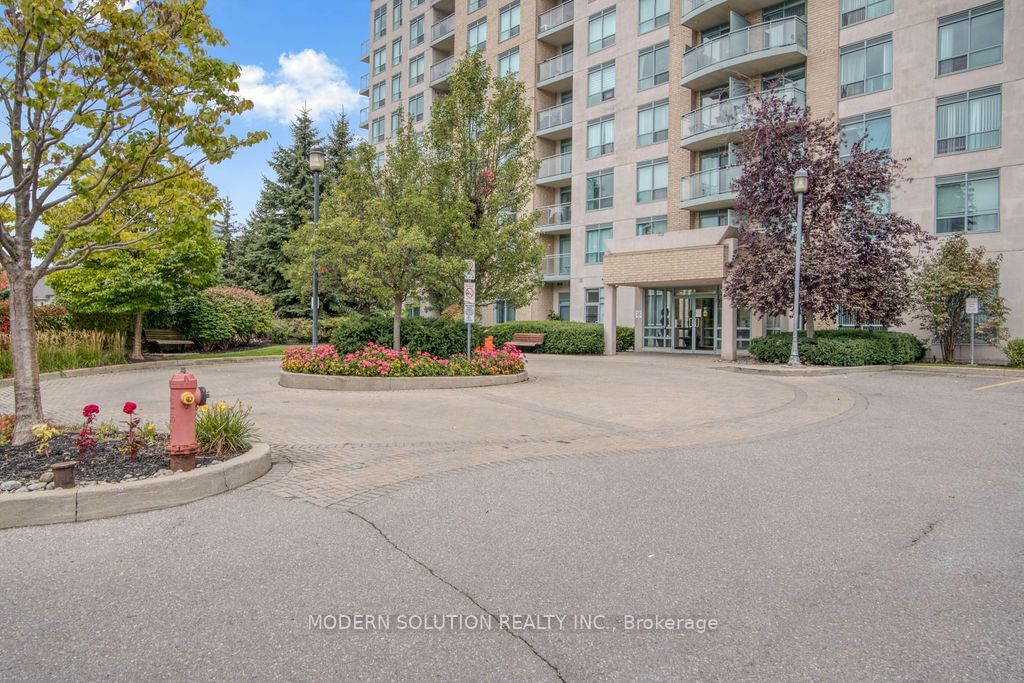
{"x":469,"y":313}
{"x":469,"y":293}
{"x":973,"y":305}
{"x":470,"y":270}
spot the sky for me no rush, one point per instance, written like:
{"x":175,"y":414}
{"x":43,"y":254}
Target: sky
{"x":291,"y":52}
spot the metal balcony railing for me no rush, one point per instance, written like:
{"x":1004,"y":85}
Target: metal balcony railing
{"x":442,"y":69}
{"x":556,"y":165}
{"x":733,"y":111}
{"x":554,"y":215}
{"x":554,"y":117}
{"x":791,"y":31}
{"x":555,"y":67}
{"x":442,"y":28}
{"x":709,"y":183}
{"x":557,"y":265}
{"x":555,"y":17}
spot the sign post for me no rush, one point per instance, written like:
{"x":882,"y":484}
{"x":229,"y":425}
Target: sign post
{"x":469,"y":304}
{"x":973,"y":308}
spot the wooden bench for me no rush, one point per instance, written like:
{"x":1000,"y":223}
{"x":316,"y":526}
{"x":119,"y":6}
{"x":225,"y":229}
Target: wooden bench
{"x":162,"y":338}
{"x":528,"y":340}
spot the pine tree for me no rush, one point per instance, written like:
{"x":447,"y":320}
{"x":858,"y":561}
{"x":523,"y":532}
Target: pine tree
{"x":338,"y":150}
{"x":224,"y":231}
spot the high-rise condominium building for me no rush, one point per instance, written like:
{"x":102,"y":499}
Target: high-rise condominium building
{"x":636,"y":106}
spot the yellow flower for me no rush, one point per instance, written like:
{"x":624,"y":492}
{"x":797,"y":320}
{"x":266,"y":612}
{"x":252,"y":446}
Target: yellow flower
{"x":204,"y":408}
{"x":222,"y":405}
{"x":150,"y":426}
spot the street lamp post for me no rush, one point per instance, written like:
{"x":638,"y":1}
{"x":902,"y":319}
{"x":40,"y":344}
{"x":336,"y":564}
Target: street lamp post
{"x":316,"y":165}
{"x":800,"y":182}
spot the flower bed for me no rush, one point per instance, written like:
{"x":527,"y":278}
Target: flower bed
{"x":375,"y":360}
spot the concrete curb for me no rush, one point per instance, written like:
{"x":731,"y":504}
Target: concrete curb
{"x":961,"y":371}
{"x":806,"y":371}
{"x":142,"y":365}
{"x":294,"y":380}
{"x":113,"y":500}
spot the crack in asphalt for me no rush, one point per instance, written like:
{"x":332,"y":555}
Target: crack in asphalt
{"x":924,"y":532}
{"x":458,"y":590}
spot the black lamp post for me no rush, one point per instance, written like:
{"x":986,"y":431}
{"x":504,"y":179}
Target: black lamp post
{"x":800,"y":183}
{"x":316,"y":165}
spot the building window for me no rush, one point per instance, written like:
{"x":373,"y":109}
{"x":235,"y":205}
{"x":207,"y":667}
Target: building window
{"x":396,"y":122}
{"x":652,"y":180}
{"x":416,"y":31}
{"x":865,"y":67}
{"x":396,"y":87}
{"x":856,"y":11}
{"x":601,"y":83}
{"x":379,"y":95}
{"x":593,"y":310}
{"x":377,"y":130}
{"x":969,"y":121}
{"x":396,"y":52}
{"x":477,"y":39}
{"x":396,"y":15}
{"x":415,"y":3}
{"x":600,"y":137}
{"x":715,"y":218}
{"x":784,"y":10}
{"x":743,"y":328}
{"x":652,"y":123}
{"x":967,"y":202}
{"x":563,"y":306}
{"x":504,"y":312}
{"x":874,"y":129}
{"x":474,"y":5}
{"x":380,"y":60}
{"x":416,"y":108}
{"x":380,"y":21}
{"x":971,"y":39}
{"x":601,"y":30}
{"x":653,"y":68}
{"x":655,"y":225}
{"x":508,"y":21}
{"x":653,"y":14}
{"x":600,"y":189}
{"x":597,"y":236}
{"x":508,"y":63}
{"x":416,"y":66}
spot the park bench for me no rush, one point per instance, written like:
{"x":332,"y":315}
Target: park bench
{"x":164,"y":338}
{"x":528,"y":340}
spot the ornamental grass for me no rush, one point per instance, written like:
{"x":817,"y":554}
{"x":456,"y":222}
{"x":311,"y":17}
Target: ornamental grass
{"x":375,"y":360}
{"x":69,"y":349}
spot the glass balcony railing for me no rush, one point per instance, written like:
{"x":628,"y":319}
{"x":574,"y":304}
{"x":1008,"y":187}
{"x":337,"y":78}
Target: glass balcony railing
{"x":555,"y":67}
{"x":556,"y":215}
{"x":709,"y":183}
{"x":364,"y":117}
{"x":364,"y":49}
{"x":553,"y":117}
{"x":555,"y":17}
{"x":789,"y":32}
{"x":557,"y":265}
{"x":731,"y":113}
{"x":364,"y":82}
{"x":553,"y":166}
{"x":442,"y":69}
{"x":442,"y":28}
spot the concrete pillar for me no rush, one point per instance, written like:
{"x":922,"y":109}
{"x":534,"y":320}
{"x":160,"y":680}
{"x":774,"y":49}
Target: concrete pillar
{"x":610,"y":317}
{"x":758,"y":326}
{"x":728,"y":328}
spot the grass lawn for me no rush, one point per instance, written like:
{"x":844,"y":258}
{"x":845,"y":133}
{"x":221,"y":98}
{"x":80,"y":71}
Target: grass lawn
{"x":275,"y":350}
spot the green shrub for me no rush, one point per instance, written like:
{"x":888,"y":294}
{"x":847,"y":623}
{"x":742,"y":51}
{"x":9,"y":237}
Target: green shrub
{"x":563,"y":337}
{"x":624,"y":338}
{"x":841,"y":348}
{"x":248,"y":313}
{"x":223,"y":429}
{"x":436,"y":336}
{"x":49,"y":317}
{"x":1015,"y":352}
{"x":300,"y":330}
{"x":200,"y":321}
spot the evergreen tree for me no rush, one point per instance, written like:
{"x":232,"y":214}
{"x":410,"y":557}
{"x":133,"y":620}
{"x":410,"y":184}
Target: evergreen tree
{"x":338,"y":150}
{"x":224,"y":231}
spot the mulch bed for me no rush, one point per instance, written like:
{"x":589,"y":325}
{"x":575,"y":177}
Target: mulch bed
{"x":107,"y":463}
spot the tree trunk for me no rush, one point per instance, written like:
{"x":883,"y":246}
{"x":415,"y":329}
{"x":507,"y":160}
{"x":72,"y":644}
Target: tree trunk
{"x":809,"y":324}
{"x":28,"y":400}
{"x":396,"y":331}
{"x":137,"y":338}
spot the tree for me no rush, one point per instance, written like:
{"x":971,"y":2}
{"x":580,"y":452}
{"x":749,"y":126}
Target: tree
{"x":97,"y":94}
{"x":374,"y":237}
{"x":483,"y":172}
{"x":952,"y":274}
{"x":337,"y":152}
{"x":284,"y":205}
{"x":180,"y":258}
{"x":224,"y":231}
{"x":855,"y":255}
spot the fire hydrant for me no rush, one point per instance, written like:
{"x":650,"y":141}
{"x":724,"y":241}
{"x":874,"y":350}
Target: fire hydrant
{"x":186,"y":397}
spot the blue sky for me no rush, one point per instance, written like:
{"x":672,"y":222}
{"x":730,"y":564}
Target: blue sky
{"x":290,"y":52}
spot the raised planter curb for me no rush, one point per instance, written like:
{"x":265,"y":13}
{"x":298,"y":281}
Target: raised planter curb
{"x":142,"y":365}
{"x":962,"y":371}
{"x":295,"y":380}
{"x":806,"y":371}
{"x":112,"y":500}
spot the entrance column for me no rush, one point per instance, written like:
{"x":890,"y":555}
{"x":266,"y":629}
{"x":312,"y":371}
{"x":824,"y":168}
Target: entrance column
{"x":610,"y":318}
{"x":728,"y":328}
{"x":759,"y":326}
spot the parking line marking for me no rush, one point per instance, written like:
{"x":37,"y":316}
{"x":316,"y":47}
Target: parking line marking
{"x":1001,"y":384}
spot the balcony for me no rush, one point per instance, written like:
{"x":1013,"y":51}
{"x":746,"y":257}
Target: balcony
{"x":364,"y":51}
{"x":555,"y":171}
{"x":364,"y":117}
{"x":555,"y":25}
{"x":700,"y":15}
{"x":554,"y":219}
{"x":442,"y":34}
{"x":555,"y":123}
{"x":753,"y":50}
{"x":723,"y":122}
{"x":555,"y":74}
{"x":443,"y":5}
{"x":364,"y":85}
{"x":440,"y":72}
{"x":556,"y":267}
{"x":711,"y":189}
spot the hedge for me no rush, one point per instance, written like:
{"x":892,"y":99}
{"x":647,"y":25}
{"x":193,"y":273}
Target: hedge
{"x":841,"y":348}
{"x":436,"y":336}
{"x":563,"y":337}
{"x":300,"y":330}
{"x":1015,"y":352}
{"x":49,"y":317}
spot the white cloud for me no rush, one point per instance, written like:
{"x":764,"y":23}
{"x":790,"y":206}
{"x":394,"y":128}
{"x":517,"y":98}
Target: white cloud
{"x":304,"y":78}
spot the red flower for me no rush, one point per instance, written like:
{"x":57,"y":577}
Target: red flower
{"x":129,"y":408}
{"x":90,"y":410}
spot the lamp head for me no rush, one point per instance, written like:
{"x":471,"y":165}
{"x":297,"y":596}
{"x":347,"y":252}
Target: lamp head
{"x":316,"y":160}
{"x":801,"y":180}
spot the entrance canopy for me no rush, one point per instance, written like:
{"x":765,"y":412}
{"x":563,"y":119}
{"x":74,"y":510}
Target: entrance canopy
{"x":680,"y":257}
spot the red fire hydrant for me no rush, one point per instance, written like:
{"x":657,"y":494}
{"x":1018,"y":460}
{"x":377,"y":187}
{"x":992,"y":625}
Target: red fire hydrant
{"x":186,"y":397}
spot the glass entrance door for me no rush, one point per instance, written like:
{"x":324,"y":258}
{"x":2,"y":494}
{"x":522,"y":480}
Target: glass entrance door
{"x":681,"y":320}
{"x":704,"y":322}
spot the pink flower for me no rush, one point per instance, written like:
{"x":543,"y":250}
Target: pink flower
{"x":90,"y":410}
{"x":128,"y":409}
